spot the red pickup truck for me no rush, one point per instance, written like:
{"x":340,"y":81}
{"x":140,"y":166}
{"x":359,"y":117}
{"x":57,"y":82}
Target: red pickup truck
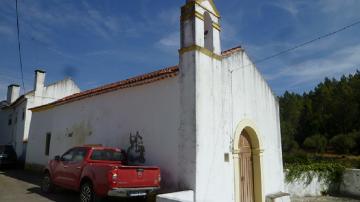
{"x":98,"y":172}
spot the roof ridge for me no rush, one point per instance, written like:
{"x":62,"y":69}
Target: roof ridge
{"x":131,"y":82}
{"x":231,"y":50}
{"x":142,"y":79}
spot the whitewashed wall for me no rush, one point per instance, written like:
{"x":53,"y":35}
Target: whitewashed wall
{"x":48,"y":94}
{"x":227,"y":94}
{"x":108,"y":119}
{"x":253,"y":99}
{"x":19,"y":129}
{"x":4,"y":128}
{"x":12,"y":134}
{"x":214,"y":179}
{"x":18,"y":132}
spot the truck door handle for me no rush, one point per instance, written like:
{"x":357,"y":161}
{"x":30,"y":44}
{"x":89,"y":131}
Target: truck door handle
{"x":78,"y":167}
{"x":66,"y":166}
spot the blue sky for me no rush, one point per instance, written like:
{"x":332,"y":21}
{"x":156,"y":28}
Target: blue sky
{"x":101,"y":41}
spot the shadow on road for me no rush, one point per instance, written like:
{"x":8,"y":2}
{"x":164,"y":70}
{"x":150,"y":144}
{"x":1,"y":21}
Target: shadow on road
{"x":23,"y":175}
{"x":57,"y":196}
{"x":60,"y":195}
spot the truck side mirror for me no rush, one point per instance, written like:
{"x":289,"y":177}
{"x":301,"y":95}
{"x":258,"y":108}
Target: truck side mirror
{"x":57,"y":158}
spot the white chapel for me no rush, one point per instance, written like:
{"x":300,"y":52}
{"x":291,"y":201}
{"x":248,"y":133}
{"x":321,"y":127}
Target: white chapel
{"x":211,"y":123}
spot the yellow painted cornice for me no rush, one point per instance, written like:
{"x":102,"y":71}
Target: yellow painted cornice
{"x":200,"y":16}
{"x":216,"y":26}
{"x":190,"y":15}
{"x":202,"y":50}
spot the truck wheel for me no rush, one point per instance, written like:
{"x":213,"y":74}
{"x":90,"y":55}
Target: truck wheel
{"x":47,"y":185}
{"x":87,"y":193}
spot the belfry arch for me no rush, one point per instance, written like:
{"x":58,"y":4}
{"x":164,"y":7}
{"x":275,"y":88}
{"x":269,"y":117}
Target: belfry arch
{"x":208,"y":32}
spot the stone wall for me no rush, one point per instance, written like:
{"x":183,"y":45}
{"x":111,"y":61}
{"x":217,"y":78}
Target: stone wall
{"x":183,"y":196}
{"x":350,"y":186}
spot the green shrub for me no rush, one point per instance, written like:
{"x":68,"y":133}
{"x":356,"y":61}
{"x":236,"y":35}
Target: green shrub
{"x":317,"y":143}
{"x":343,"y":143}
{"x":331,"y":173}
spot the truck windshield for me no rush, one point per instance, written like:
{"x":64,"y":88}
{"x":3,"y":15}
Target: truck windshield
{"x":107,"y":155}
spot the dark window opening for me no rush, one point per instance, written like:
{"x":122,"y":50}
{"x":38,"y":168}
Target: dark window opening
{"x":9,"y":122}
{"x":47,"y":144}
{"x":68,"y":156}
{"x":23,"y":114}
{"x":76,"y":155}
{"x":108,"y":155}
{"x":208,"y":32}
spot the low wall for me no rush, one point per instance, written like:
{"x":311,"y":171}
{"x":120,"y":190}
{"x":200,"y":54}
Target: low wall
{"x":301,"y":188}
{"x":350,"y":186}
{"x":184,"y":196}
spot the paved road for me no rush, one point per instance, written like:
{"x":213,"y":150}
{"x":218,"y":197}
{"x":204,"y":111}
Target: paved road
{"x":20,"y":186}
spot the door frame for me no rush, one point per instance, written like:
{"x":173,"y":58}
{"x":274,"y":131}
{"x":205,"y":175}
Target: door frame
{"x":257,"y":153}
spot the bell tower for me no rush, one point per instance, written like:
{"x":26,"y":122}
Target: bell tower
{"x":201,"y":90}
{"x":200,"y":28}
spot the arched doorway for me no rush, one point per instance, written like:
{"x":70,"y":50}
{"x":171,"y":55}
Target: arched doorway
{"x":246,"y":168}
{"x":248,"y":163}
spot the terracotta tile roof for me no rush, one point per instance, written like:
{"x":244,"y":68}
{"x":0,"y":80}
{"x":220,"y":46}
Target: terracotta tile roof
{"x":135,"y":81}
{"x":231,"y":51}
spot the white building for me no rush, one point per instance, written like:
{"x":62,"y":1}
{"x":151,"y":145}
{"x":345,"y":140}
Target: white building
{"x":15,"y":116}
{"x":211,"y":123}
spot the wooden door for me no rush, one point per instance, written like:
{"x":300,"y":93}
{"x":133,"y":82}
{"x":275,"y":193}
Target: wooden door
{"x":246,"y":169}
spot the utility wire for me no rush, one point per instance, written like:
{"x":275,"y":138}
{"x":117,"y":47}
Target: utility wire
{"x":308,"y":42}
{"x":303,"y":44}
{"x":19,"y":46}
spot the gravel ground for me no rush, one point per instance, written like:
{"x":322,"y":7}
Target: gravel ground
{"x":323,"y":199}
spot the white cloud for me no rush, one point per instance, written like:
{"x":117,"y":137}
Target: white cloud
{"x":287,"y":5}
{"x":171,"y":40}
{"x":41,"y":22}
{"x":103,"y":25}
{"x":340,"y":62}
